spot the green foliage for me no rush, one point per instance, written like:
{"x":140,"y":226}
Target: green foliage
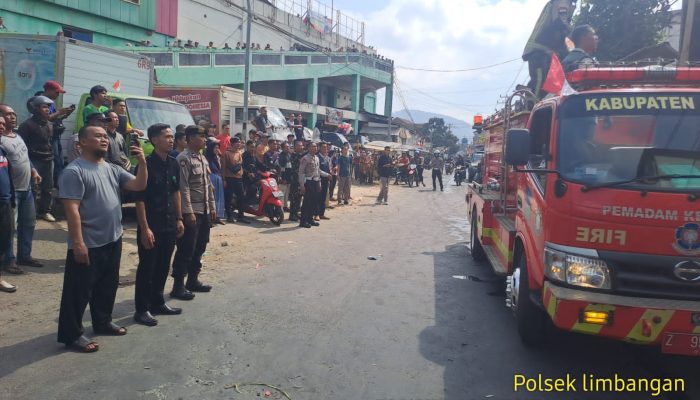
{"x":625,"y":26}
{"x":440,"y":135}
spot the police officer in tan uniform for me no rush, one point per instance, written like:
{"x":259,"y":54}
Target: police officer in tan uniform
{"x":198,"y":211}
{"x":310,"y":186}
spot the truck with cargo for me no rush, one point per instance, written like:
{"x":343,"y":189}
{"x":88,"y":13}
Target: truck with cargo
{"x":27,"y":61}
{"x":590,"y":207}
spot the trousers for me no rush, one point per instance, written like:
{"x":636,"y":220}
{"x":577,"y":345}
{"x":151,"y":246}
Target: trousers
{"x":5,"y":226}
{"x":310,"y":205}
{"x":190,"y":248}
{"x":344,"y":184}
{"x":322,"y":196}
{"x":384,"y":191}
{"x":94,"y":284}
{"x":235,"y":197}
{"x":45,"y":196}
{"x":294,"y":199}
{"x":437,"y":174}
{"x":152,"y":271}
{"x":23,"y":223}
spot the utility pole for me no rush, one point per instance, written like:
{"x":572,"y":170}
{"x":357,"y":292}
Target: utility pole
{"x":248,"y":61}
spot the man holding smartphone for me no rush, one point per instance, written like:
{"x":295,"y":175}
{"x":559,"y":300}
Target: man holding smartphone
{"x":52,"y":90}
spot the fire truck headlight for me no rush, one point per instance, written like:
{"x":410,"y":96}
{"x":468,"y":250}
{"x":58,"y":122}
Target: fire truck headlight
{"x":587,"y":272}
{"x":555,"y":265}
{"x":576,"y":270}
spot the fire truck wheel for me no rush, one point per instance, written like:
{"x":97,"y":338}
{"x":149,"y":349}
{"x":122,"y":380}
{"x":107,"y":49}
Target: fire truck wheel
{"x":475,"y":248}
{"x":530,"y":319}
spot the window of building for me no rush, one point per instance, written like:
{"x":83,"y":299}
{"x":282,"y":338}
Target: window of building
{"x":161,"y":59}
{"x":296,"y":60}
{"x":266,"y":59}
{"x":229,"y":59}
{"x":194,"y":59}
{"x":77,"y":34}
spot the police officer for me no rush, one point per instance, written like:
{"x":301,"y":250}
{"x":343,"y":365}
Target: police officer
{"x":293,"y":178}
{"x":159,"y":213}
{"x":310,"y":186}
{"x":198,"y":211}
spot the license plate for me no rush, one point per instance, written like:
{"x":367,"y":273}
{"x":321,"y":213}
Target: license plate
{"x":681,"y":343}
{"x":278,"y":194}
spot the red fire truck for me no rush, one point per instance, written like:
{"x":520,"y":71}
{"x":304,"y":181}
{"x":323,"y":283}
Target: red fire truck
{"x":589,"y":205}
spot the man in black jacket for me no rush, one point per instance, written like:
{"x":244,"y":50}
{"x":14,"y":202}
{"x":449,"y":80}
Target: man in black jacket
{"x":37,"y":132}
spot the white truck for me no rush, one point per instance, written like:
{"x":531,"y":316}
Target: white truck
{"x":27,"y":61}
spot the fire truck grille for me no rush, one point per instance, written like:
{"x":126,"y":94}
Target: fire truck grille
{"x":652,"y":280}
{"x":651,"y":276}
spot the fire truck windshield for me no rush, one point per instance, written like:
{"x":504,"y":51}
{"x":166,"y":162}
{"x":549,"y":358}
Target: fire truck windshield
{"x":620,"y":139}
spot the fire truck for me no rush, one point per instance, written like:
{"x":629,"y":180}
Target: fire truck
{"x":589,"y":206}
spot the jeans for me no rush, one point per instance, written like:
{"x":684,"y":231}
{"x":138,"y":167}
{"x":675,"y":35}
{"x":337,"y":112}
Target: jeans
{"x":95,"y":284}
{"x":284,"y":187}
{"x":322,"y":196}
{"x":23,"y":223}
{"x":45,"y":170}
{"x":384,"y":191}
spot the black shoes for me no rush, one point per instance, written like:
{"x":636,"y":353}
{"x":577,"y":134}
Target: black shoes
{"x":180,"y":293}
{"x":145,"y":318}
{"x":166,"y":310}
{"x":314,"y":223}
{"x":304,"y":225}
{"x":293,"y":219}
{"x":194,"y":285}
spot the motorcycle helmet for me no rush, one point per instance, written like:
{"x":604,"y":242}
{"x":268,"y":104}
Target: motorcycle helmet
{"x":34,"y":103}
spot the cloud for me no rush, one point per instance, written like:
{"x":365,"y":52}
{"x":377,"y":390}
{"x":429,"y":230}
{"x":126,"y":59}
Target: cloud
{"x":453,"y":34}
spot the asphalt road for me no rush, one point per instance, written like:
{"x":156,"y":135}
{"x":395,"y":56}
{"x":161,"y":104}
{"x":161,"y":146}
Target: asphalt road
{"x":308,"y":312}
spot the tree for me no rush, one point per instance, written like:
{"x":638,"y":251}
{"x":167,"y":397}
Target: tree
{"x":440,"y":135}
{"x":625,"y":26}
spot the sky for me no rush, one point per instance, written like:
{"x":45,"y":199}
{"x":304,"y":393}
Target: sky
{"x":448,"y":35}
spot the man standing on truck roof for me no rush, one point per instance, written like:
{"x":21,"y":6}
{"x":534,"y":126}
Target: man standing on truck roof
{"x":586,"y":41}
{"x":37,"y":133}
{"x":98,"y":94}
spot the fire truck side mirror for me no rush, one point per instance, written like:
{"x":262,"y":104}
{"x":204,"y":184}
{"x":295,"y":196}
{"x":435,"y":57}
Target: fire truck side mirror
{"x":518,"y":147}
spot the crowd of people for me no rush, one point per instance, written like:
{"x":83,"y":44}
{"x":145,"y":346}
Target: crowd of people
{"x":190,"y":182}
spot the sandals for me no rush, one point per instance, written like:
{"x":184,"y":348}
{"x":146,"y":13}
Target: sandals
{"x":83,"y":345}
{"x":13,"y":269}
{"x":110,"y":329}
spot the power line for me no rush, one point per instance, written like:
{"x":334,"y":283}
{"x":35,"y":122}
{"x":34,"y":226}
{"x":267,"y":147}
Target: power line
{"x":458,"y":70}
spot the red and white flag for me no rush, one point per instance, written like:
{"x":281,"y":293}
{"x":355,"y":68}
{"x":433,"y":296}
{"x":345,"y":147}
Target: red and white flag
{"x":556,"y":82}
{"x":117,"y":86}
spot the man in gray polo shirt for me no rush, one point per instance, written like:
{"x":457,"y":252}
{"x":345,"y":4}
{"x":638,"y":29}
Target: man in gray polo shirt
{"x":90,"y":188}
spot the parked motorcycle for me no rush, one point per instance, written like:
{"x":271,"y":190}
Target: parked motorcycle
{"x":460,"y":175}
{"x":269,"y":200}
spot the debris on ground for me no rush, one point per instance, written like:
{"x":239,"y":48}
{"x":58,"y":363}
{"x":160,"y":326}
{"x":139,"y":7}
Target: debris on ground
{"x":237,"y":386}
{"x":460,"y":277}
{"x":224,"y":244}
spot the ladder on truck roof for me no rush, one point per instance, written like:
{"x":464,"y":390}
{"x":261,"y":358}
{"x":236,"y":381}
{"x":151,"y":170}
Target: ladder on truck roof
{"x":526,"y":101}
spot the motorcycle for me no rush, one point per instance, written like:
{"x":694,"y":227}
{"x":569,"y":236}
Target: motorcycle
{"x":269,"y":200}
{"x":412,"y":178}
{"x":460,"y":174}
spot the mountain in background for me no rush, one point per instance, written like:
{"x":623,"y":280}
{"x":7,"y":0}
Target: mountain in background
{"x":459,"y":128}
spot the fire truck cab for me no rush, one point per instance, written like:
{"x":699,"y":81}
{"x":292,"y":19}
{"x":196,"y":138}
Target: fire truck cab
{"x":589,"y":205}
